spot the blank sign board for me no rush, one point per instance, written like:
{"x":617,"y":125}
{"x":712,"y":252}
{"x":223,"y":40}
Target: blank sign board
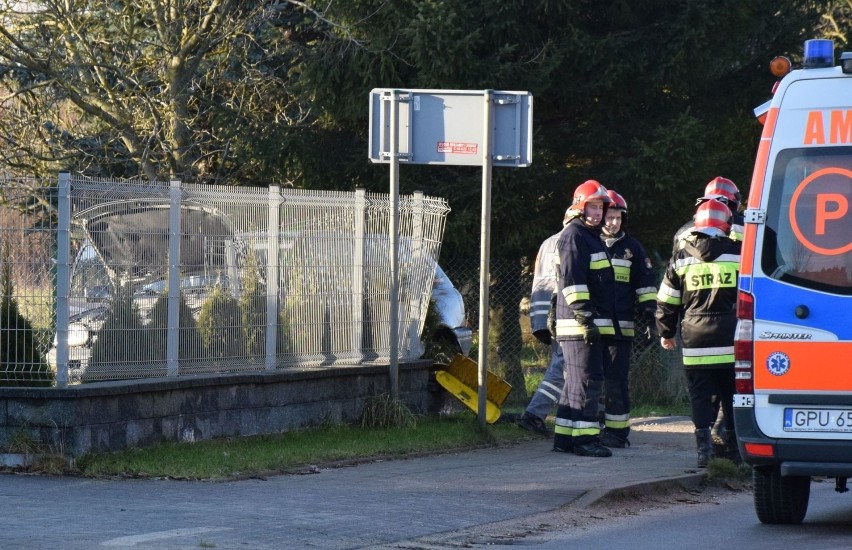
{"x":447,"y":127}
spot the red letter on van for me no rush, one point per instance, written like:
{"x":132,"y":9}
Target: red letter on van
{"x":841,"y":127}
{"x":815,"y":129}
{"x":823,"y":213}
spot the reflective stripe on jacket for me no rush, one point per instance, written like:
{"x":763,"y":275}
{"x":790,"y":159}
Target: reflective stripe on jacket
{"x":586,"y":281}
{"x":700,"y":289}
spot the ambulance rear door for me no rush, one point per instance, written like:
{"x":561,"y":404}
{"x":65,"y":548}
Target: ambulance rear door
{"x":802,"y":278}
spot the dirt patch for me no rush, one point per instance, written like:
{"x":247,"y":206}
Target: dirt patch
{"x":571,"y":517}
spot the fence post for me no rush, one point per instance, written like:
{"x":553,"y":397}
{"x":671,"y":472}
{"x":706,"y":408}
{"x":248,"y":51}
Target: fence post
{"x":358,"y":273}
{"x":63,"y":278}
{"x":273,"y":245}
{"x":415,"y":296}
{"x":173,"y":332}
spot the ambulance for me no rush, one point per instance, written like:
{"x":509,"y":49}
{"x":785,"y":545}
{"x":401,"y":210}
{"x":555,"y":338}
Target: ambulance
{"x":793,"y":343}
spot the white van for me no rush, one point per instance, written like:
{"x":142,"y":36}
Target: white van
{"x":793,"y":347}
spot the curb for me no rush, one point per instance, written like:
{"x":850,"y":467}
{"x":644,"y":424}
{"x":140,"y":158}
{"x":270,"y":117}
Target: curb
{"x":640,"y":489}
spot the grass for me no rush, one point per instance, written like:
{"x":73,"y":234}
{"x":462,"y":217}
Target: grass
{"x":323,"y":446}
{"x":670,"y":409}
{"x":386,"y":431}
{"x":298,"y":450}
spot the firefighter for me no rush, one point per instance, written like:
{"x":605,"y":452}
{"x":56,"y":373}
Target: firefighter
{"x":584,"y":311}
{"x":542,"y":303}
{"x":725,"y":191}
{"x":699,"y":291}
{"x":635,"y":295}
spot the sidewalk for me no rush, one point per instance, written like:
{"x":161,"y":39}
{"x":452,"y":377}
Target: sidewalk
{"x":368,"y":505}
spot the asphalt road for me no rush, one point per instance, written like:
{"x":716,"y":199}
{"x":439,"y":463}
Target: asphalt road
{"x":363,"y":506}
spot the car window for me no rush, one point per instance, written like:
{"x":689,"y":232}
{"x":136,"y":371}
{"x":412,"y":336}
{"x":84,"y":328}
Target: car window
{"x":808,"y":237}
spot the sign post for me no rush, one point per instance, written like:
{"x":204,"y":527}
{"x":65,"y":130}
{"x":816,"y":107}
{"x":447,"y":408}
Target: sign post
{"x":393,"y":231}
{"x":454,"y":127}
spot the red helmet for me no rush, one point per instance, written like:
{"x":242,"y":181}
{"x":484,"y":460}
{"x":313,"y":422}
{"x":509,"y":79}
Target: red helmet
{"x":589,"y":190}
{"x":722,"y":189}
{"x":618,"y":202}
{"x":712,"y":214}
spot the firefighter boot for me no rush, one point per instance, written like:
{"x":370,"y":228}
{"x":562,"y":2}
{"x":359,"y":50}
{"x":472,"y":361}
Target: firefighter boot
{"x":732,"y":450}
{"x":592,"y":448}
{"x":704,"y":440}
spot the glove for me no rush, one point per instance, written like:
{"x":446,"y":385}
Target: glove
{"x":543,"y":336}
{"x":586,"y":319}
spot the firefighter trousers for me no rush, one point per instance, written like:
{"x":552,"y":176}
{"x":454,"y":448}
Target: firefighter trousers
{"x":617,"y":386}
{"x":703,"y":385}
{"x":577,"y":413}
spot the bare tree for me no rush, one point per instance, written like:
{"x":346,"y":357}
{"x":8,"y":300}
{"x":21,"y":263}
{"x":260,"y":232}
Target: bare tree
{"x":158,"y":88}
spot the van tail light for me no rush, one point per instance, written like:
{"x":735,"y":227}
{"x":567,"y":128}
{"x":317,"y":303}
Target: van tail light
{"x":744,"y":344}
{"x":764,"y":450}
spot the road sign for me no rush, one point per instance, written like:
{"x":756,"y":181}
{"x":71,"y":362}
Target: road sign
{"x":446,"y":127}
{"x":484,"y":128}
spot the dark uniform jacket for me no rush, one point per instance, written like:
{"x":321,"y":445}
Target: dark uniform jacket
{"x":700,"y":290}
{"x":635,"y":281}
{"x":586,"y":281}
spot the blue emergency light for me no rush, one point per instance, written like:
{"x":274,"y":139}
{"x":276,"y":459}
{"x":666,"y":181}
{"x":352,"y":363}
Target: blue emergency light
{"x":819,"y":53}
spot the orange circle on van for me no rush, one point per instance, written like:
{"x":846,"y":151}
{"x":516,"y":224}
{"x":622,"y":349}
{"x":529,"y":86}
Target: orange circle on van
{"x":828,"y":207}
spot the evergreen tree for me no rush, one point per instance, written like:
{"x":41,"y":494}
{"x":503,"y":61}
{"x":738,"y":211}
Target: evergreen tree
{"x":21,"y":364}
{"x":189,"y":345}
{"x":219,"y":323}
{"x":122,"y":343}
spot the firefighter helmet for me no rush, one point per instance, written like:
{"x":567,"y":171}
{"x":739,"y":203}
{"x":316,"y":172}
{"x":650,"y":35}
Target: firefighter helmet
{"x":587,"y":191}
{"x":618,"y":202}
{"x":723,"y":190}
{"x":712,"y":214}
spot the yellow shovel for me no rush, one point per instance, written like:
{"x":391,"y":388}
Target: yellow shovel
{"x":461,"y":378}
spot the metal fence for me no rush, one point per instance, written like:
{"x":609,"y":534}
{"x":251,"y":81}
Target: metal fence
{"x":108,"y":279}
{"x":87,"y":283}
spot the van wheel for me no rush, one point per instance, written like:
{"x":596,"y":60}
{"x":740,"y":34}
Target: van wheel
{"x":780,"y":499}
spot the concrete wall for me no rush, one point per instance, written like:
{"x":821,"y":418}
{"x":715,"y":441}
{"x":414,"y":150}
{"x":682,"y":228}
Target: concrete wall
{"x":110,"y":416}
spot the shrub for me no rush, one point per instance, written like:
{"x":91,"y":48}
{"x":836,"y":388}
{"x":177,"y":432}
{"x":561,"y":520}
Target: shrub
{"x":253,"y":306}
{"x":123,"y":337}
{"x":21,"y":364}
{"x":219,"y":325}
{"x":252,"y":303}
{"x":189,"y":346}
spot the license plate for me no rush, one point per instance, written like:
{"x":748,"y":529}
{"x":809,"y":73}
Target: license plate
{"x":817,"y":420}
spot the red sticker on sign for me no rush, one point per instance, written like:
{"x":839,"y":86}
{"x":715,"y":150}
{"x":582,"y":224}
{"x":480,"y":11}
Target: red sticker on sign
{"x":457,"y":147}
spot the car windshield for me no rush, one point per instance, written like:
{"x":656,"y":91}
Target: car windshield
{"x":808,"y":237}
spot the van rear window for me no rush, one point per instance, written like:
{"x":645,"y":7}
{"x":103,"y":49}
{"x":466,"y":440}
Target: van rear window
{"x":808,"y":236}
